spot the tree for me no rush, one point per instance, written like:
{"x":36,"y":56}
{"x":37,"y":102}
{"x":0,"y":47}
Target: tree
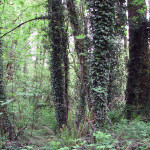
{"x":58,"y":37}
{"x":118,"y":53}
{"x":137,"y":93}
{"x":102,"y":20}
{"x":79,"y":27}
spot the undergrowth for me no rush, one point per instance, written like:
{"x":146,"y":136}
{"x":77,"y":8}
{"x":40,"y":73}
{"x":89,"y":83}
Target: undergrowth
{"x":41,"y":132}
{"x":119,"y":136}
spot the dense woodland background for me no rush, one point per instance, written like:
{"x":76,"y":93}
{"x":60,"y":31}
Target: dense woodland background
{"x":74,"y":74}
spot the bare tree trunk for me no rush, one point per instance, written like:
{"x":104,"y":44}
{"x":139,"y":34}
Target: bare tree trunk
{"x":81,"y":49}
{"x":138,"y":67}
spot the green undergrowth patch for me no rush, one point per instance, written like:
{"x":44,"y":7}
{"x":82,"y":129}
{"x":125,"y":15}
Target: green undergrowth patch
{"x":129,"y":130}
{"x":119,"y":136}
{"x":41,"y":132}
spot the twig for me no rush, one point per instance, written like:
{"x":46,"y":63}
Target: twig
{"x":25,"y":10}
{"x":20,"y":15}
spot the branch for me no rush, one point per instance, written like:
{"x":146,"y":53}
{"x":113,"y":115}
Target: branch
{"x":37,"y":18}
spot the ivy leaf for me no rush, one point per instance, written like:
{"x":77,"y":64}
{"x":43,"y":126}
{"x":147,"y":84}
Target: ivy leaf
{"x":82,"y":54}
{"x":81,"y":36}
{"x":99,"y":90}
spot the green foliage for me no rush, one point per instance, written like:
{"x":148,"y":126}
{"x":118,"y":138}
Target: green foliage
{"x":99,"y":90}
{"x":138,"y":2}
{"x":80,"y":37}
{"x":103,"y":140}
{"x":122,"y":135}
{"x":54,"y":145}
{"x":141,"y":9}
{"x":6,"y":103}
{"x":113,"y":115}
{"x":29,"y":93}
{"x":132,"y":130}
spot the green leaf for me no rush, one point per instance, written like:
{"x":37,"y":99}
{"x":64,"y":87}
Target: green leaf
{"x":99,"y":89}
{"x":81,"y":36}
{"x":21,"y":3}
{"x":82,"y":54}
{"x":7,"y":102}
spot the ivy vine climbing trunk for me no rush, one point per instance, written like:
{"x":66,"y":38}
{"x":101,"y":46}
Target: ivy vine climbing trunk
{"x":116,"y":86}
{"x":138,"y":67}
{"x":101,"y":18}
{"x":58,"y":37}
{"x":78,"y":27}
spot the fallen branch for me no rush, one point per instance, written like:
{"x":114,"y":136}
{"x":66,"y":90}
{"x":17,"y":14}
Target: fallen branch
{"x":37,"y":18}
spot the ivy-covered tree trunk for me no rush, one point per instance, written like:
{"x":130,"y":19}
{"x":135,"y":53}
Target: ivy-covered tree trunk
{"x":138,"y":67}
{"x":6,"y":127}
{"x":81,"y":49}
{"x":117,"y":75}
{"x":58,"y":38}
{"x":101,"y":18}
{"x":66,"y":71}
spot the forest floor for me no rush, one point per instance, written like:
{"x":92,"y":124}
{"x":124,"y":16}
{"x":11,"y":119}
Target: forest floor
{"x":41,"y":133}
{"x":119,"y":136}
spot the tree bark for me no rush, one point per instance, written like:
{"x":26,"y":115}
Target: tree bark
{"x":138,"y":67}
{"x":57,"y":36}
{"x":81,"y":51}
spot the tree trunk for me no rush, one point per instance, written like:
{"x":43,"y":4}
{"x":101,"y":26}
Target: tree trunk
{"x":117,"y":54}
{"x":138,"y":67}
{"x":81,"y":50}
{"x":57,"y":36}
{"x":66,"y":74}
{"x":101,"y":18}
